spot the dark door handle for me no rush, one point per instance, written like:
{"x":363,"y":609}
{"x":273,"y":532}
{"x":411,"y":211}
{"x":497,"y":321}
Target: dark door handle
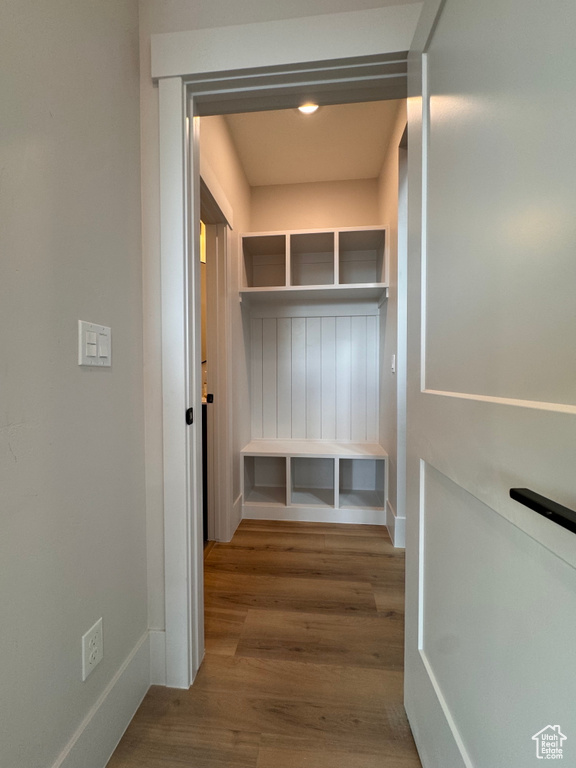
{"x":550,"y":509}
{"x":190,"y":416}
{"x":209,"y":398}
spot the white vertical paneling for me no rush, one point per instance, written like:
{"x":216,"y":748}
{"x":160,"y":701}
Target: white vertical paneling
{"x":269,"y":378}
{"x":256,"y":377}
{"x":358,"y":379}
{"x":328,"y":394}
{"x":313,"y":378}
{"x":343,"y":364}
{"x":372,"y":379}
{"x":298,"y":377}
{"x":284,"y":365}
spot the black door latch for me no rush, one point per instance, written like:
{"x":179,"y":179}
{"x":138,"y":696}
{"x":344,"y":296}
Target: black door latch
{"x":190,"y":416}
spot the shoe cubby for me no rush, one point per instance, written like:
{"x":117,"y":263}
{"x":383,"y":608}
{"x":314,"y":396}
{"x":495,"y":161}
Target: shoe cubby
{"x":315,"y":480}
{"x":265,"y":480}
{"x":312,"y":481}
{"x":362,"y":483}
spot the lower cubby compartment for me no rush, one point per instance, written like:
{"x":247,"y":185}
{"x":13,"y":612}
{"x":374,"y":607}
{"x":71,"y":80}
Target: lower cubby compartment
{"x":362,"y":483}
{"x":315,"y":481}
{"x":264,"y":480}
{"x":312,"y":481}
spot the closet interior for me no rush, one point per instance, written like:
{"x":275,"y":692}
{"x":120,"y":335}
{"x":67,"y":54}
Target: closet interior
{"x":314,"y":269}
{"x":313,"y":299}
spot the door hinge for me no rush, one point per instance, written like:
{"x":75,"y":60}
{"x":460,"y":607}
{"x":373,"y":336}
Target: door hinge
{"x":190,"y":416}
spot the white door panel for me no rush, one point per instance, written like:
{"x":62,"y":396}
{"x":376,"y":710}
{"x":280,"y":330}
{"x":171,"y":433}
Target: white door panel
{"x":491,"y":585}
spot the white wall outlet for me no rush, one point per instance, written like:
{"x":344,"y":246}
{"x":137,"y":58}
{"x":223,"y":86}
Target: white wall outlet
{"x":92,"y":649}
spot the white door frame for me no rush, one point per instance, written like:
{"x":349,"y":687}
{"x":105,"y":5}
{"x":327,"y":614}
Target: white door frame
{"x":219,"y":427}
{"x":375,"y":71}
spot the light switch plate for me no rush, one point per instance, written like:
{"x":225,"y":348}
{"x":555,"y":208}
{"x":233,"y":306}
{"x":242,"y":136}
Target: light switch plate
{"x":94,"y":344}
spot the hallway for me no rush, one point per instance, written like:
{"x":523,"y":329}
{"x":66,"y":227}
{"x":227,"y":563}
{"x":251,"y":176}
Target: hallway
{"x":304,"y":658}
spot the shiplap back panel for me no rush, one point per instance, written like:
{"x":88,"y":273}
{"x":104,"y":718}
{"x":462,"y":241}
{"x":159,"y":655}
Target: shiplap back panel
{"x":315,"y":377}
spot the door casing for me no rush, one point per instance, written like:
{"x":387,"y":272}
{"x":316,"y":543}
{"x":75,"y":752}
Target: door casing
{"x":333,"y":81}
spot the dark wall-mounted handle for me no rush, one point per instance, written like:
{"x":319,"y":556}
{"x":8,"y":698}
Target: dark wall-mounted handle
{"x":550,"y":509}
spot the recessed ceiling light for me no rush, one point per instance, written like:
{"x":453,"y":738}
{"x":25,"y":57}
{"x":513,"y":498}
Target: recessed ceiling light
{"x":308,"y":109}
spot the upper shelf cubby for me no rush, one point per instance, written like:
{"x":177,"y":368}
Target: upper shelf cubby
{"x":339,"y":263}
{"x":361,"y":256}
{"x":264,"y":260}
{"x":312,"y":258}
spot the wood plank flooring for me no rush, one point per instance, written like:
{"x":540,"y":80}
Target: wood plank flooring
{"x":304,"y":658}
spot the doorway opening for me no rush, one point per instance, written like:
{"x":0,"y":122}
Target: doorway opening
{"x":375,"y":76}
{"x":312,"y":181}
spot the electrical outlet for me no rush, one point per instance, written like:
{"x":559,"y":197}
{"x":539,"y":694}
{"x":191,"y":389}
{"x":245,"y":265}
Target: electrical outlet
{"x":92,"y":649}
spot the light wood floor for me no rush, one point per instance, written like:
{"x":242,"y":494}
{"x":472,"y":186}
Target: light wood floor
{"x":304,"y":657}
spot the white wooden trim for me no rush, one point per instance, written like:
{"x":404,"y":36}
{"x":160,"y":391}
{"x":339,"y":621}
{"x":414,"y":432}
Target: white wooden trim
{"x":396,"y":526}
{"x":402,"y":335}
{"x":314,"y":514}
{"x":97,"y":736}
{"x":157,"y":657}
{"x":290,"y":41}
{"x":219,"y":413}
{"x":195,"y":541}
{"x":235,"y":517}
{"x":175,"y":384}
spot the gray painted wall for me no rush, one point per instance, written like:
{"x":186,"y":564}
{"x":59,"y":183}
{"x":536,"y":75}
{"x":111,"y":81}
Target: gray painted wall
{"x":72,"y":507}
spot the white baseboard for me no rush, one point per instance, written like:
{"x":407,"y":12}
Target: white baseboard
{"x":396,"y":527}
{"x":98,"y":735}
{"x":157,"y":657}
{"x":236,"y":514}
{"x":314,"y":514}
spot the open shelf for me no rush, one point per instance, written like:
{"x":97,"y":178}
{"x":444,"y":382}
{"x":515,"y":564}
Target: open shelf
{"x":313,"y":299}
{"x":312,"y":481}
{"x":264,"y":260}
{"x":309,"y":293}
{"x":315,"y":480}
{"x":264,"y":480}
{"x":361,"y":256}
{"x":319,"y":448}
{"x":334,"y":265}
{"x":312,"y":258}
{"x":362,"y":483}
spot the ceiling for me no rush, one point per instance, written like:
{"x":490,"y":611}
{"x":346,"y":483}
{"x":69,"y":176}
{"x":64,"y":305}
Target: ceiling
{"x":346,"y":141}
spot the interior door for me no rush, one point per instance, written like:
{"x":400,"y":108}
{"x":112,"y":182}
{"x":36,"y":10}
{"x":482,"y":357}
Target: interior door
{"x":491,"y":585}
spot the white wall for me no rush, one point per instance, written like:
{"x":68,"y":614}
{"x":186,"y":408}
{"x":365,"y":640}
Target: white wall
{"x":72,"y":537}
{"x":313,"y":205}
{"x":388,"y":194}
{"x":179,"y":15}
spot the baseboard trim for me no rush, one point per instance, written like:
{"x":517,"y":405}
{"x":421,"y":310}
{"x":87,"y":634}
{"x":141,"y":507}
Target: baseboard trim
{"x":236,"y":515}
{"x":157,"y":657}
{"x":396,"y":527}
{"x":98,"y":734}
{"x":314,"y":514}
